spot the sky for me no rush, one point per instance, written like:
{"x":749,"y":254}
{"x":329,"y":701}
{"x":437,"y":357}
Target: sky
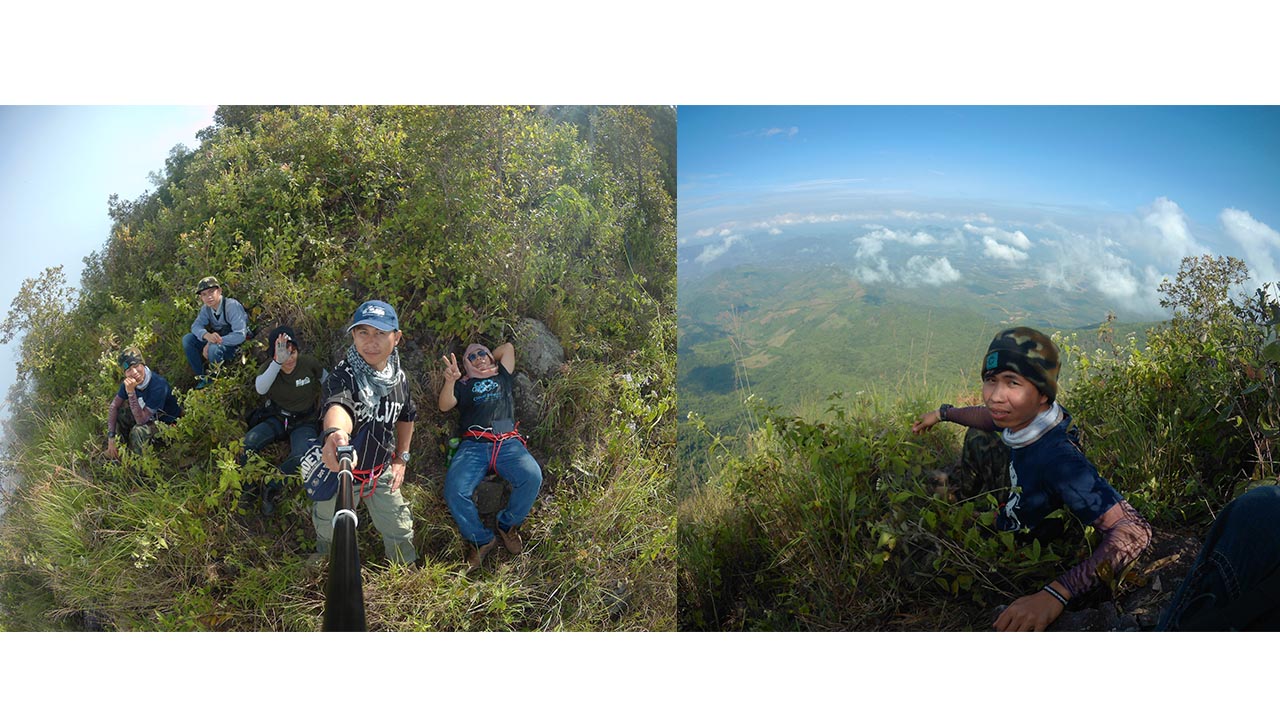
{"x":60,"y":164}
{"x":1105,"y":199}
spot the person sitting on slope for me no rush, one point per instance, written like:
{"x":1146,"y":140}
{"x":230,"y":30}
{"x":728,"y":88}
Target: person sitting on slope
{"x":1047,"y":470}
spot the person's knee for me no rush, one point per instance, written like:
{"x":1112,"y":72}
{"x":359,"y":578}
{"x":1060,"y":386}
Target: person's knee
{"x":139,"y":436}
{"x":527,"y":472}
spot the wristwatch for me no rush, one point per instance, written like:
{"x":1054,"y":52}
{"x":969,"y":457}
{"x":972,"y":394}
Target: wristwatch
{"x":403,"y":457}
{"x":942,"y":411}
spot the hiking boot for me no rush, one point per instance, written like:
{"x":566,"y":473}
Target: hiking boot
{"x":511,"y":540}
{"x":271,"y":498}
{"x":477,"y":553}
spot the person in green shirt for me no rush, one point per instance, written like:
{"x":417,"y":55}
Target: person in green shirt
{"x":292,"y":383}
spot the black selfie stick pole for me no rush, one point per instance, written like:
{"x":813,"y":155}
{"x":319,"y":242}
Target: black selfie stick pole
{"x":344,"y":596}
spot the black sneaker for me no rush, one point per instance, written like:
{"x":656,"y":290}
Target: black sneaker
{"x":271,"y":498}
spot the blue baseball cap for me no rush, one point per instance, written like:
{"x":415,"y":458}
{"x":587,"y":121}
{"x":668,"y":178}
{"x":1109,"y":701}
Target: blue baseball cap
{"x":375,"y":313}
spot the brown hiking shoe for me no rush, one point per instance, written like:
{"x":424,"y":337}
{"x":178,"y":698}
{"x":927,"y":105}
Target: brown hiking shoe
{"x":477,"y":553}
{"x":511,"y":540}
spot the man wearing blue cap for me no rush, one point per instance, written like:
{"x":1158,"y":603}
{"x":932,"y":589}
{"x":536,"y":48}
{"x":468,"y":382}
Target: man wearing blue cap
{"x":367,"y":405}
{"x":144,"y":397}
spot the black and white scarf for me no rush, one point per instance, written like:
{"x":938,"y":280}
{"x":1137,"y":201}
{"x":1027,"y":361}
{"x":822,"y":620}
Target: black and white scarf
{"x":374,"y":384}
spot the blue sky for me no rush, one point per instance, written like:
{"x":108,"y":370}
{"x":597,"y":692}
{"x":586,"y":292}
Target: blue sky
{"x":60,"y":164}
{"x":1126,"y":191}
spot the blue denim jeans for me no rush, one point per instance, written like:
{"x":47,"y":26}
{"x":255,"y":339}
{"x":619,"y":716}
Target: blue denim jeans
{"x":272,"y":429}
{"x":193,"y":347}
{"x":1241,"y":550}
{"x":470,"y":465}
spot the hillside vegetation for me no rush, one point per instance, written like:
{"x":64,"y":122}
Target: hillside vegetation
{"x":465,"y":219}
{"x":832,"y":522}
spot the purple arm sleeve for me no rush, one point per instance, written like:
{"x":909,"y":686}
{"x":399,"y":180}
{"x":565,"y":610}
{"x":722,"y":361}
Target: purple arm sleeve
{"x":974,"y":416}
{"x":1123,"y":539}
{"x":116,"y":402}
{"x":140,"y":414}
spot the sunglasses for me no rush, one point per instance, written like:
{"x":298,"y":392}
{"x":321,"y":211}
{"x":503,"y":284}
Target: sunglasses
{"x":477,"y":354}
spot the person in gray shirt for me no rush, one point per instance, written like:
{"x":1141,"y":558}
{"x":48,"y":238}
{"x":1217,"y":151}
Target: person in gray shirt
{"x":219,"y":330}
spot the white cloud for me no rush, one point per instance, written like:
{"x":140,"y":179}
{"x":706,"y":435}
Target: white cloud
{"x":774,"y":231}
{"x":916,"y":215}
{"x":1004,"y":253}
{"x":1116,"y":282}
{"x":1258,"y":240}
{"x":880,"y":235}
{"x":921,"y":270}
{"x":879,"y":273}
{"x":1016,"y":238}
{"x":789,"y":132}
{"x":869,"y":246}
{"x":1170,"y":221}
{"x":1092,"y":263}
{"x":713,"y":251}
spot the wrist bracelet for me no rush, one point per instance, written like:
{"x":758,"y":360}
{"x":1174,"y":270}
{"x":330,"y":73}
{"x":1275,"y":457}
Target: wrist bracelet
{"x":1049,"y":589}
{"x":942,"y":411}
{"x":324,"y":436}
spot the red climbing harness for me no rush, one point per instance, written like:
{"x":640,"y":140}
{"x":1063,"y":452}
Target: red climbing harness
{"x":368,"y":478}
{"x":488,"y":435}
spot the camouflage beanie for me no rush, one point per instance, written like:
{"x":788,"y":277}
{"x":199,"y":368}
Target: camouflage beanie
{"x":1030,"y":353}
{"x":129,"y":357}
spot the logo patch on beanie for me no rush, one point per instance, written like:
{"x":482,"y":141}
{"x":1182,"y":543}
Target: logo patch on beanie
{"x":993,"y":359}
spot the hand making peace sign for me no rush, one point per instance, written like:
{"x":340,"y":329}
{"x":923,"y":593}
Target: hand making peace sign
{"x":451,"y":371}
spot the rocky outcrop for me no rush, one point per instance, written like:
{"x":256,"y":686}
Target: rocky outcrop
{"x":538,"y":352}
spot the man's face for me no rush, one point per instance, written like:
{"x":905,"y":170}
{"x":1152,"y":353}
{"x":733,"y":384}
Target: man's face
{"x":1012,"y":399}
{"x":136,"y":372}
{"x":211,"y":296}
{"x":374,"y":345}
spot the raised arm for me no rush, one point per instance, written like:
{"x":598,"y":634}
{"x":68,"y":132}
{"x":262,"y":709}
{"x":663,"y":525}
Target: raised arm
{"x":506,"y":354}
{"x":268,"y":376}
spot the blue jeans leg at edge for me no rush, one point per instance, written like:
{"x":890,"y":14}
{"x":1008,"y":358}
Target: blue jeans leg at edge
{"x":468,"y":468}
{"x":192,"y":347}
{"x":518,"y":467}
{"x":1241,"y":549}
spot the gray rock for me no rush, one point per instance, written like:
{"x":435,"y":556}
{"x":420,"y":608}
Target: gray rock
{"x":538,"y":352}
{"x":530,"y":402}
